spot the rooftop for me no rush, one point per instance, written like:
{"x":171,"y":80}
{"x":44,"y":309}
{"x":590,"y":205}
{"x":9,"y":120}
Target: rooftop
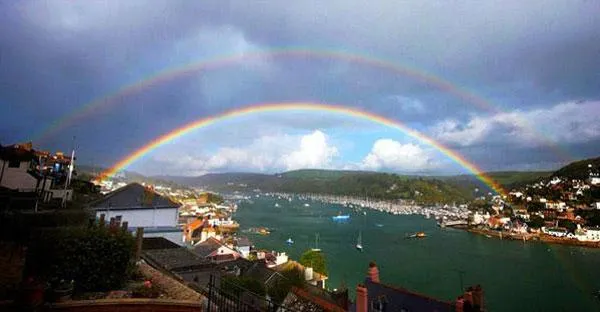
{"x":133,"y":196}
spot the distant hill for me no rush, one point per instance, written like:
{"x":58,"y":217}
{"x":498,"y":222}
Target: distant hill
{"x":87,"y":173}
{"x":578,"y":169}
{"x":355,"y":183}
{"x":508,"y":179}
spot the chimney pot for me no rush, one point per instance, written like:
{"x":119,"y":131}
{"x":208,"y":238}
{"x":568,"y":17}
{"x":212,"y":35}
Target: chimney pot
{"x":373,"y":273}
{"x":460,"y":304}
{"x":362,"y":299}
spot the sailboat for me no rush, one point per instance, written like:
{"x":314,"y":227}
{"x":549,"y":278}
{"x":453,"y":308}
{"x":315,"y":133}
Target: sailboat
{"x":359,"y":246}
{"x":316,"y":243}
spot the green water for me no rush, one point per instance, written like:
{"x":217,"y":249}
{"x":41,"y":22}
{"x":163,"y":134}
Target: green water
{"x":516,"y":276}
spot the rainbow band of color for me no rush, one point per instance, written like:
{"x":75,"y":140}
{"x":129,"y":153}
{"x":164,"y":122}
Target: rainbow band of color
{"x":193,"y":68}
{"x":279,"y":107}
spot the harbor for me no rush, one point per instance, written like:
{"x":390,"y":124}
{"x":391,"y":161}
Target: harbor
{"x":566,"y":275}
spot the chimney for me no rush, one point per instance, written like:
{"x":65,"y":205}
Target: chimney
{"x":373,"y":273}
{"x":460,"y":304}
{"x":468,"y":295}
{"x":478,"y":297}
{"x":139,"y":239}
{"x":362,"y":299}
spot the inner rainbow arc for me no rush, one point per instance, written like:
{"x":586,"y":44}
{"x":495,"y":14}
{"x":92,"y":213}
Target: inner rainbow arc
{"x":301,"y":106}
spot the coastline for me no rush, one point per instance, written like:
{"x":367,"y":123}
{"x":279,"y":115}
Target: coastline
{"x":530,"y":237}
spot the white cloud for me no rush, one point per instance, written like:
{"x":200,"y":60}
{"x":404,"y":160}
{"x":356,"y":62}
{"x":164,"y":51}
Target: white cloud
{"x":268,"y":153}
{"x":314,"y":152}
{"x":393,"y":155}
{"x":563,"y":123}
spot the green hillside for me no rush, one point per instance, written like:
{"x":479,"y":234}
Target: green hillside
{"x":353,"y":183}
{"x":579,"y":169}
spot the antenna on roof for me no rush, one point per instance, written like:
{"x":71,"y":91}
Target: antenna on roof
{"x":70,"y":174}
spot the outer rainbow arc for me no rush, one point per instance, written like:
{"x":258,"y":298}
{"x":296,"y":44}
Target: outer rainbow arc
{"x":170,"y":74}
{"x":275,"y":107}
{"x":193,"y":68}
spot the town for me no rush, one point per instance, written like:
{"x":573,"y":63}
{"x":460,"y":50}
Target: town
{"x":69,"y":240}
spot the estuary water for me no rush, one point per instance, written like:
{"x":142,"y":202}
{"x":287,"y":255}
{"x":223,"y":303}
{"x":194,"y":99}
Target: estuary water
{"x":515,"y":276}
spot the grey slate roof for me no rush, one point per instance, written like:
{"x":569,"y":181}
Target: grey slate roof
{"x":396,"y":299}
{"x":132,"y":196}
{"x":207,"y":247}
{"x":175,"y":259}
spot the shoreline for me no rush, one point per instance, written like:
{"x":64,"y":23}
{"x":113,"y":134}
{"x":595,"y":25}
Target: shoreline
{"x":530,"y":237}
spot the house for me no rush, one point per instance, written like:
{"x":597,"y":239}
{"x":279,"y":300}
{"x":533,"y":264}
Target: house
{"x":243,"y":246}
{"x":18,"y":167}
{"x":373,"y":295}
{"x":26,"y":170}
{"x":591,"y":234}
{"x":140,"y":206}
{"x":559,"y":205}
{"x":215,"y":250}
{"x":555,"y":231}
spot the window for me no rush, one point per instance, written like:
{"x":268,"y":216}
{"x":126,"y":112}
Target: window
{"x":14,"y":163}
{"x":379,"y":304}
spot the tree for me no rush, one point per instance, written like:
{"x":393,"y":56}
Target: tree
{"x":535,"y":207}
{"x":315,"y":260}
{"x":535,"y":222}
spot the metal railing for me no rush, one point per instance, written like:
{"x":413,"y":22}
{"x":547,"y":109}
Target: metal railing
{"x":235,"y":298}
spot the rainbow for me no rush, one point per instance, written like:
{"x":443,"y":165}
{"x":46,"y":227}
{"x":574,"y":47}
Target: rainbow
{"x":158,"y":78}
{"x":301,"y":106}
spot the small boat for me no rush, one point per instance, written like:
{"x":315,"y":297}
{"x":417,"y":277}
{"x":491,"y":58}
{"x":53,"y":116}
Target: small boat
{"x":289,"y":241}
{"x":340,"y":217}
{"x":276,"y":204}
{"x":359,"y":245}
{"x":378,"y":225}
{"x":364,"y":213}
{"x":316,"y":243}
{"x":417,"y":235}
{"x":306,"y":205}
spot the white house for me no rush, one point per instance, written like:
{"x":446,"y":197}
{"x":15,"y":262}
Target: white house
{"x":20,"y":170}
{"x":589,"y":234}
{"x":557,"y":232}
{"x":140,"y":206}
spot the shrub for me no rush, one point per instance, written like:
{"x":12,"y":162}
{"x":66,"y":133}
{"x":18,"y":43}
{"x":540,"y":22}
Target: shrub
{"x":95,"y":257}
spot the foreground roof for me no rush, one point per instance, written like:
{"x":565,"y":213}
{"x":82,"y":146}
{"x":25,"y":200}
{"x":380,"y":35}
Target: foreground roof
{"x":397,"y":298}
{"x":133,"y":196}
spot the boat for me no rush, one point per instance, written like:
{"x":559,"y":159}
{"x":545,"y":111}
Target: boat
{"x":316,"y":243}
{"x":289,"y":241}
{"x":276,"y":204}
{"x":341,"y":218}
{"x":359,"y":245}
{"x":378,"y":225}
{"x":417,"y":235}
{"x":306,"y":205}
